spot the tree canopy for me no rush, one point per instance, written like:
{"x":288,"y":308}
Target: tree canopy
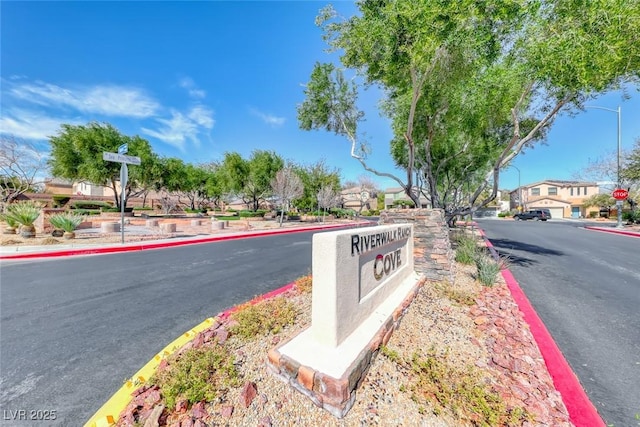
{"x":76,"y":154}
{"x":468,"y":85}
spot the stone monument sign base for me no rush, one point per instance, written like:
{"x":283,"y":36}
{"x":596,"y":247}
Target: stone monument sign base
{"x":329,"y":376}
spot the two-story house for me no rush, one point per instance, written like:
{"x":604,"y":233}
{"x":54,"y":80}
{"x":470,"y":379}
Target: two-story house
{"x":395,"y":195}
{"x":358,"y":199}
{"x":564,"y":199}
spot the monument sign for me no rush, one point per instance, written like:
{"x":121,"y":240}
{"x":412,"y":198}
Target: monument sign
{"x":363,"y":279}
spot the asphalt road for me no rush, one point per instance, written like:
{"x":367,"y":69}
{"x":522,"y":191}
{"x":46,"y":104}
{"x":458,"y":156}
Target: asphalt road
{"x":585,"y":285}
{"x":72,"y":330}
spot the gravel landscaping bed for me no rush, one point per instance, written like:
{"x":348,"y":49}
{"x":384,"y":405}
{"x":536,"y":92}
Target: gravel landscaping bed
{"x":465,"y":326}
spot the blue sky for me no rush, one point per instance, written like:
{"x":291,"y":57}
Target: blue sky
{"x":198,"y":79}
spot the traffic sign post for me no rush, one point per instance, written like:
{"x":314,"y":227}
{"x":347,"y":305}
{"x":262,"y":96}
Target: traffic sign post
{"x":124,"y":177}
{"x":620,"y":194}
{"x":123,"y":159}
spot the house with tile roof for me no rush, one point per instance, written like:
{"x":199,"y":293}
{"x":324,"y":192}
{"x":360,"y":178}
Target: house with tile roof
{"x":564,"y":199}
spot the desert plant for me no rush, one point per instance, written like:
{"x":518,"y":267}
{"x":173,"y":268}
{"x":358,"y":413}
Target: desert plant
{"x":24,"y":213}
{"x":467,"y":249}
{"x":68,"y":222}
{"x":197,"y":374}
{"x":488,"y":269}
{"x":459,"y":390}
{"x":304,"y":284}
{"x":12,"y":224}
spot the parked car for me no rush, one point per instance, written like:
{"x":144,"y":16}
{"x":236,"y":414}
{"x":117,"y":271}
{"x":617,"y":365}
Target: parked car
{"x":536,"y":215}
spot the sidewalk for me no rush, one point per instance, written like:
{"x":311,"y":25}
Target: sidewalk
{"x":633,"y":231}
{"x":139,"y":238}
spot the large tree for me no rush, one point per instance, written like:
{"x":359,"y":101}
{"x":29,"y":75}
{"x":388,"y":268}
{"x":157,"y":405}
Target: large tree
{"x":250,"y":179}
{"x":469,"y":84}
{"x":314,"y":177}
{"x":77,"y":150}
{"x":22,"y":168}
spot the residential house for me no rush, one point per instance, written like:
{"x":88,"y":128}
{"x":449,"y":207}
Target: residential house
{"x":58,"y":186}
{"x":564,"y":199}
{"x":358,"y":199}
{"x":394,"y":196}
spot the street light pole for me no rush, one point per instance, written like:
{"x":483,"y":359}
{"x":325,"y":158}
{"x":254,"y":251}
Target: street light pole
{"x":618,"y":183}
{"x":519,"y":187}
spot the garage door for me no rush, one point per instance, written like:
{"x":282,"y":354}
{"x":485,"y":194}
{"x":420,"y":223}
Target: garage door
{"x":556,"y":213}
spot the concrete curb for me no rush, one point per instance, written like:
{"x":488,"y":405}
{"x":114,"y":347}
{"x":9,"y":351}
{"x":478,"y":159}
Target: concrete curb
{"x":581,"y":410}
{"x":109,"y":413}
{"x":613,"y":231}
{"x":167,"y":244}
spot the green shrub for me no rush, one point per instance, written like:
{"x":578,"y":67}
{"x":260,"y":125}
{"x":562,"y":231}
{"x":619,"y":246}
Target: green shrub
{"x":59,"y":201}
{"x":593,"y":214}
{"x":631,"y":216}
{"x":109,"y":209}
{"x":404,"y":203}
{"x":87,"y":211}
{"x":67,"y":221}
{"x":466,"y":249}
{"x":197,"y":374}
{"x":146,"y":208}
{"x":503,"y":214}
{"x":91,"y":204}
{"x":252,"y":214}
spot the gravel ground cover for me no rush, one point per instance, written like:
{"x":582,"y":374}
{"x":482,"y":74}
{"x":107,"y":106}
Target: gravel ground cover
{"x":464,"y":329}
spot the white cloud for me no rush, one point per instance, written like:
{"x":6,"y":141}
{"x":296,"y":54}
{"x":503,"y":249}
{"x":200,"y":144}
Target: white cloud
{"x":110,"y":100}
{"x":202,"y":116}
{"x":191,"y":87}
{"x":30,"y":125}
{"x":181,"y":128}
{"x":35,"y":110}
{"x":269,"y":119}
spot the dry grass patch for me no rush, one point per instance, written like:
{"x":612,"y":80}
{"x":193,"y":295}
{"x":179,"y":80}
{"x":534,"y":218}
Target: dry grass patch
{"x":304,"y":284}
{"x":459,"y":296}
{"x":458,"y":391}
{"x":263,"y":318}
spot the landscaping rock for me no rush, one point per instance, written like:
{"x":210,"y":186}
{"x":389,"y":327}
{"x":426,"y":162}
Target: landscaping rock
{"x":199,"y":410}
{"x":227,"y":411}
{"x":248,"y":393}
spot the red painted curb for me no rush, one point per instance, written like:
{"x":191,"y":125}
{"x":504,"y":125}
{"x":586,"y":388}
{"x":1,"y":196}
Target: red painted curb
{"x":581,"y":410}
{"x":604,"y":230}
{"x":228,"y":312}
{"x":145,"y":246}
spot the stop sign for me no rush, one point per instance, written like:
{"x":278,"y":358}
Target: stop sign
{"x":620,"y":194}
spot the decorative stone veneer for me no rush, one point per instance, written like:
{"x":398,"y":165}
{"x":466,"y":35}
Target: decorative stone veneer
{"x":337,"y":395}
{"x":433,"y":255}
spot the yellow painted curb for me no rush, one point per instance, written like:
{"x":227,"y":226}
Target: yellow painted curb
{"x":108,"y":414}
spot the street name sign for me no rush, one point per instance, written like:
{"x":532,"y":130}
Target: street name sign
{"x":122,"y":158}
{"x":620,"y":194}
